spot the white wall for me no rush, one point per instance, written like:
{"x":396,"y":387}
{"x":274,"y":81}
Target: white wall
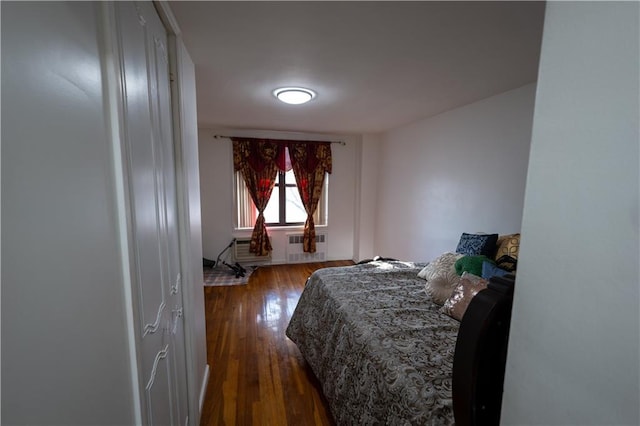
{"x":367,"y":191}
{"x":65,"y":356}
{"x":460,"y":171}
{"x":216,"y":188}
{"x":574,"y":344}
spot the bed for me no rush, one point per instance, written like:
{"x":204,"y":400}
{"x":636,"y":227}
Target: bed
{"x":384,"y":352}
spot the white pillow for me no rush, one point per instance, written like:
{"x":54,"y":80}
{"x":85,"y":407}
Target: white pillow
{"x":441,"y":277}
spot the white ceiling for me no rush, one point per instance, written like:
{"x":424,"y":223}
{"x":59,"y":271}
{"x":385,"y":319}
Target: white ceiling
{"x":374,"y":65}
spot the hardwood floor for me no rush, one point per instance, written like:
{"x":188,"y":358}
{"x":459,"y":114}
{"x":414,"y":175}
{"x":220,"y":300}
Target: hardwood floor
{"x":258,"y":376}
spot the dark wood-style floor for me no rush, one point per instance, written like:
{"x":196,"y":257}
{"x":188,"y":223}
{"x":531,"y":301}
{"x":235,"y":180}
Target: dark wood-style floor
{"x":258,"y":376}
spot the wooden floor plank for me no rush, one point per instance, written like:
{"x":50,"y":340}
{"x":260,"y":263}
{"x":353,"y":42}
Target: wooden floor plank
{"x":258,"y":376}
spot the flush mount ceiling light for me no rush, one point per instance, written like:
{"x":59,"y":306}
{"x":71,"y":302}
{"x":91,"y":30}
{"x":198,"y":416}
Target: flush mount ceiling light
{"x":294,"y":95}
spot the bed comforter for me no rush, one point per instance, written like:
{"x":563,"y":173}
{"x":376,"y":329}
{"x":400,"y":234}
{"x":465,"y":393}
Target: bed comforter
{"x":381,"y":349}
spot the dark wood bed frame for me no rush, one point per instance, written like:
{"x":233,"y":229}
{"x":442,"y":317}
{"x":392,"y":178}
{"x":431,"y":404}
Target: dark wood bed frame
{"x":481,"y":354}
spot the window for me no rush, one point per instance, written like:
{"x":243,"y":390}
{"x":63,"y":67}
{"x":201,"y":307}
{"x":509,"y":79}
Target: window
{"x":284,"y":208}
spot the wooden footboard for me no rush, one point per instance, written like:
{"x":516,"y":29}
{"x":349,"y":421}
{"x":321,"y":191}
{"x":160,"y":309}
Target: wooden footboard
{"x":480,"y":355}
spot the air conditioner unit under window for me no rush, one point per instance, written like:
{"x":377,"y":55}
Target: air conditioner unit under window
{"x":241,"y":252}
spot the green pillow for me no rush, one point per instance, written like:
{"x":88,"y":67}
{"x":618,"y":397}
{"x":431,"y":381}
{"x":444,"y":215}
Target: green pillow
{"x":471,"y":264}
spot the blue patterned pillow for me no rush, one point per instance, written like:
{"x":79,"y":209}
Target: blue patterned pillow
{"x":477,"y":244}
{"x":490,"y":270}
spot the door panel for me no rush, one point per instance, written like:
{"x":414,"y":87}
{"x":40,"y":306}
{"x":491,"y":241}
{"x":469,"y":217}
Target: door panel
{"x":152,"y":185}
{"x":145,"y":203}
{"x":158,"y":391}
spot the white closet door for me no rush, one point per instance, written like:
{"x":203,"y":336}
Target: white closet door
{"x":152,"y":191}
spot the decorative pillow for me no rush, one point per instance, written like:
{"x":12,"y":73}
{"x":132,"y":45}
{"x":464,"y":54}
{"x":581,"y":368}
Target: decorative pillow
{"x":469,"y":285}
{"x":489,"y":269}
{"x":441,"y":277}
{"x":508,"y":245}
{"x":476,"y":244}
{"x":507,"y":263}
{"x":471,"y":264}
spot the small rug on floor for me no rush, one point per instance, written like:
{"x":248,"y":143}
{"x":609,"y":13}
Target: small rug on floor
{"x":223,"y":275}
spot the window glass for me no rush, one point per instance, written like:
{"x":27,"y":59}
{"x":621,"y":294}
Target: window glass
{"x":290,"y":178}
{"x":293,"y":212}
{"x":294,"y":209}
{"x":272,"y":211}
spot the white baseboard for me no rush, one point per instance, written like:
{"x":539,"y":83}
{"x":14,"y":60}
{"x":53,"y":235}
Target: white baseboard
{"x":203,"y":386}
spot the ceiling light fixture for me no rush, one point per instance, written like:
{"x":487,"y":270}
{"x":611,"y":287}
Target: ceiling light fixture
{"x":294,"y":95}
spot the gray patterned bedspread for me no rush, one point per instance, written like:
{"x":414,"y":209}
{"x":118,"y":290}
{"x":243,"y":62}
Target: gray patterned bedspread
{"x":381,"y":349}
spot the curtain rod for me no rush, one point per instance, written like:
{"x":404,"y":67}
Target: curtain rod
{"x":343,"y":143}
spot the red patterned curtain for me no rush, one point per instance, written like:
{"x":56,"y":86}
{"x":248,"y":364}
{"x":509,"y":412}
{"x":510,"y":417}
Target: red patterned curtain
{"x":257,"y":160}
{"x":310,"y":162}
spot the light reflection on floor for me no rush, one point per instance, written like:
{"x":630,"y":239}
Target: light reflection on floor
{"x":276,"y":311}
{"x":292,"y":302}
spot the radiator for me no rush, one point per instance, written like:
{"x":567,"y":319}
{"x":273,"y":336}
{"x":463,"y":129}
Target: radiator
{"x":241,"y":252}
{"x":295,"y":254}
